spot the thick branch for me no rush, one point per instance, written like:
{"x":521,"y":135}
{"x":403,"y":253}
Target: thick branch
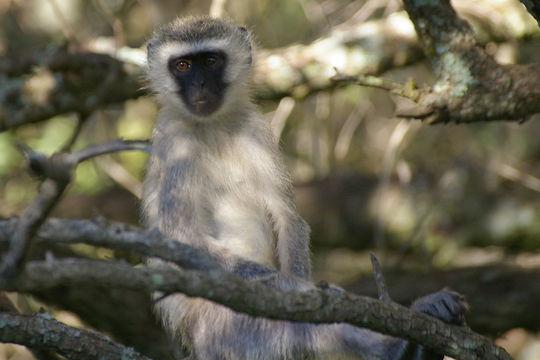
{"x":318,"y":305}
{"x":119,"y":236}
{"x":488,"y":283}
{"x":42,"y":332}
{"x":470,"y":85}
{"x":83,"y":82}
{"x":66,"y":82}
{"x":368,"y":48}
{"x":485,"y":287}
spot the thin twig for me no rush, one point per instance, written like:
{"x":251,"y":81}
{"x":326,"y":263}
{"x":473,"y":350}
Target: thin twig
{"x":382,"y":290}
{"x":114,"y":22}
{"x":345,"y":136}
{"x":32,"y":218}
{"x":57,"y":170}
{"x":106,"y":148}
{"x":281,"y":114}
{"x":407,"y":90}
{"x":81,"y":119}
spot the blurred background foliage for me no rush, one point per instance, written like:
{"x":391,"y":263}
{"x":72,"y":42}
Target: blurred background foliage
{"x":432,"y":196}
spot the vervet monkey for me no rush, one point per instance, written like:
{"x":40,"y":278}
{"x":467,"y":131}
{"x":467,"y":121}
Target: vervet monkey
{"x":215,"y":180}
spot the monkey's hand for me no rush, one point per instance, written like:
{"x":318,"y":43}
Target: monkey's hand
{"x":445,"y":305}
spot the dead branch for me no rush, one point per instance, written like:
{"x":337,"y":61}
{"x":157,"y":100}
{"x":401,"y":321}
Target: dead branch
{"x":320,"y":305}
{"x":100,"y":232}
{"x":86,"y":81}
{"x":498,"y":281}
{"x":485,"y":287}
{"x":57,"y":171}
{"x":470,"y":85}
{"x":42,"y":332}
{"x":382,"y":290}
{"x":69,"y":82}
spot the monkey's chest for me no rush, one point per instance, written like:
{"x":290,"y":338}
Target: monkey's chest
{"x":237,"y":219}
{"x":220,"y":196}
{"x":242,"y":227}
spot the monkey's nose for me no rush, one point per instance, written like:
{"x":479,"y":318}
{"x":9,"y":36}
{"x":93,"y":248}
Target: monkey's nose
{"x":199,"y":84}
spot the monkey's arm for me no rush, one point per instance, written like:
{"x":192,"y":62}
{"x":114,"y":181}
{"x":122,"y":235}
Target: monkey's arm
{"x":445,"y":305}
{"x":169,"y":195}
{"x":292,"y":235}
{"x":293,"y":246}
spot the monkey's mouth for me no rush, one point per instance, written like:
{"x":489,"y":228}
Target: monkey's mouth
{"x":203,"y":104}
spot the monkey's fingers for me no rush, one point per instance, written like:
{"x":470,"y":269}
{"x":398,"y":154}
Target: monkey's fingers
{"x":446,"y":305}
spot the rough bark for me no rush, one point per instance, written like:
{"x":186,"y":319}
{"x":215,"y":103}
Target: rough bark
{"x":485,"y":288}
{"x":509,"y":284}
{"x":470,"y":85}
{"x":42,"y":332}
{"x":321,"y":305}
{"x":83,"y":82}
{"x":64,"y":82}
{"x":41,"y":277}
{"x":56,"y":170}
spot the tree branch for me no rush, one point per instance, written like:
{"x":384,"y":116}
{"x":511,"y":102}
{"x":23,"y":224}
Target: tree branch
{"x":509,"y":284}
{"x":382,"y":290}
{"x":407,"y":90}
{"x":470,"y":85}
{"x":32,"y":218}
{"x":83,"y":82}
{"x":57,"y":170}
{"x":42,"y":332}
{"x":321,"y":305}
{"x":485,"y":288}
{"x":119,"y":236}
{"x":67,"y":82}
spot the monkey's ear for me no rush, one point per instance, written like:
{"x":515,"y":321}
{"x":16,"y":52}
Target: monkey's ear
{"x":149,"y":48}
{"x":247,"y":35}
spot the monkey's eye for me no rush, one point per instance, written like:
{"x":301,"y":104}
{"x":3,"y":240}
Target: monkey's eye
{"x":183,"y":65}
{"x":210,"y":60}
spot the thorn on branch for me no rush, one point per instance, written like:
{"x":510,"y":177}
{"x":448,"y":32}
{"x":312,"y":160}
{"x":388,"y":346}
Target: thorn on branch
{"x":382,"y":290}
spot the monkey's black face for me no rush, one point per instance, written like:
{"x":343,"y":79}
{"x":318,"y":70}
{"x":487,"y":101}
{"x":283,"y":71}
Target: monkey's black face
{"x":200,"y":80}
